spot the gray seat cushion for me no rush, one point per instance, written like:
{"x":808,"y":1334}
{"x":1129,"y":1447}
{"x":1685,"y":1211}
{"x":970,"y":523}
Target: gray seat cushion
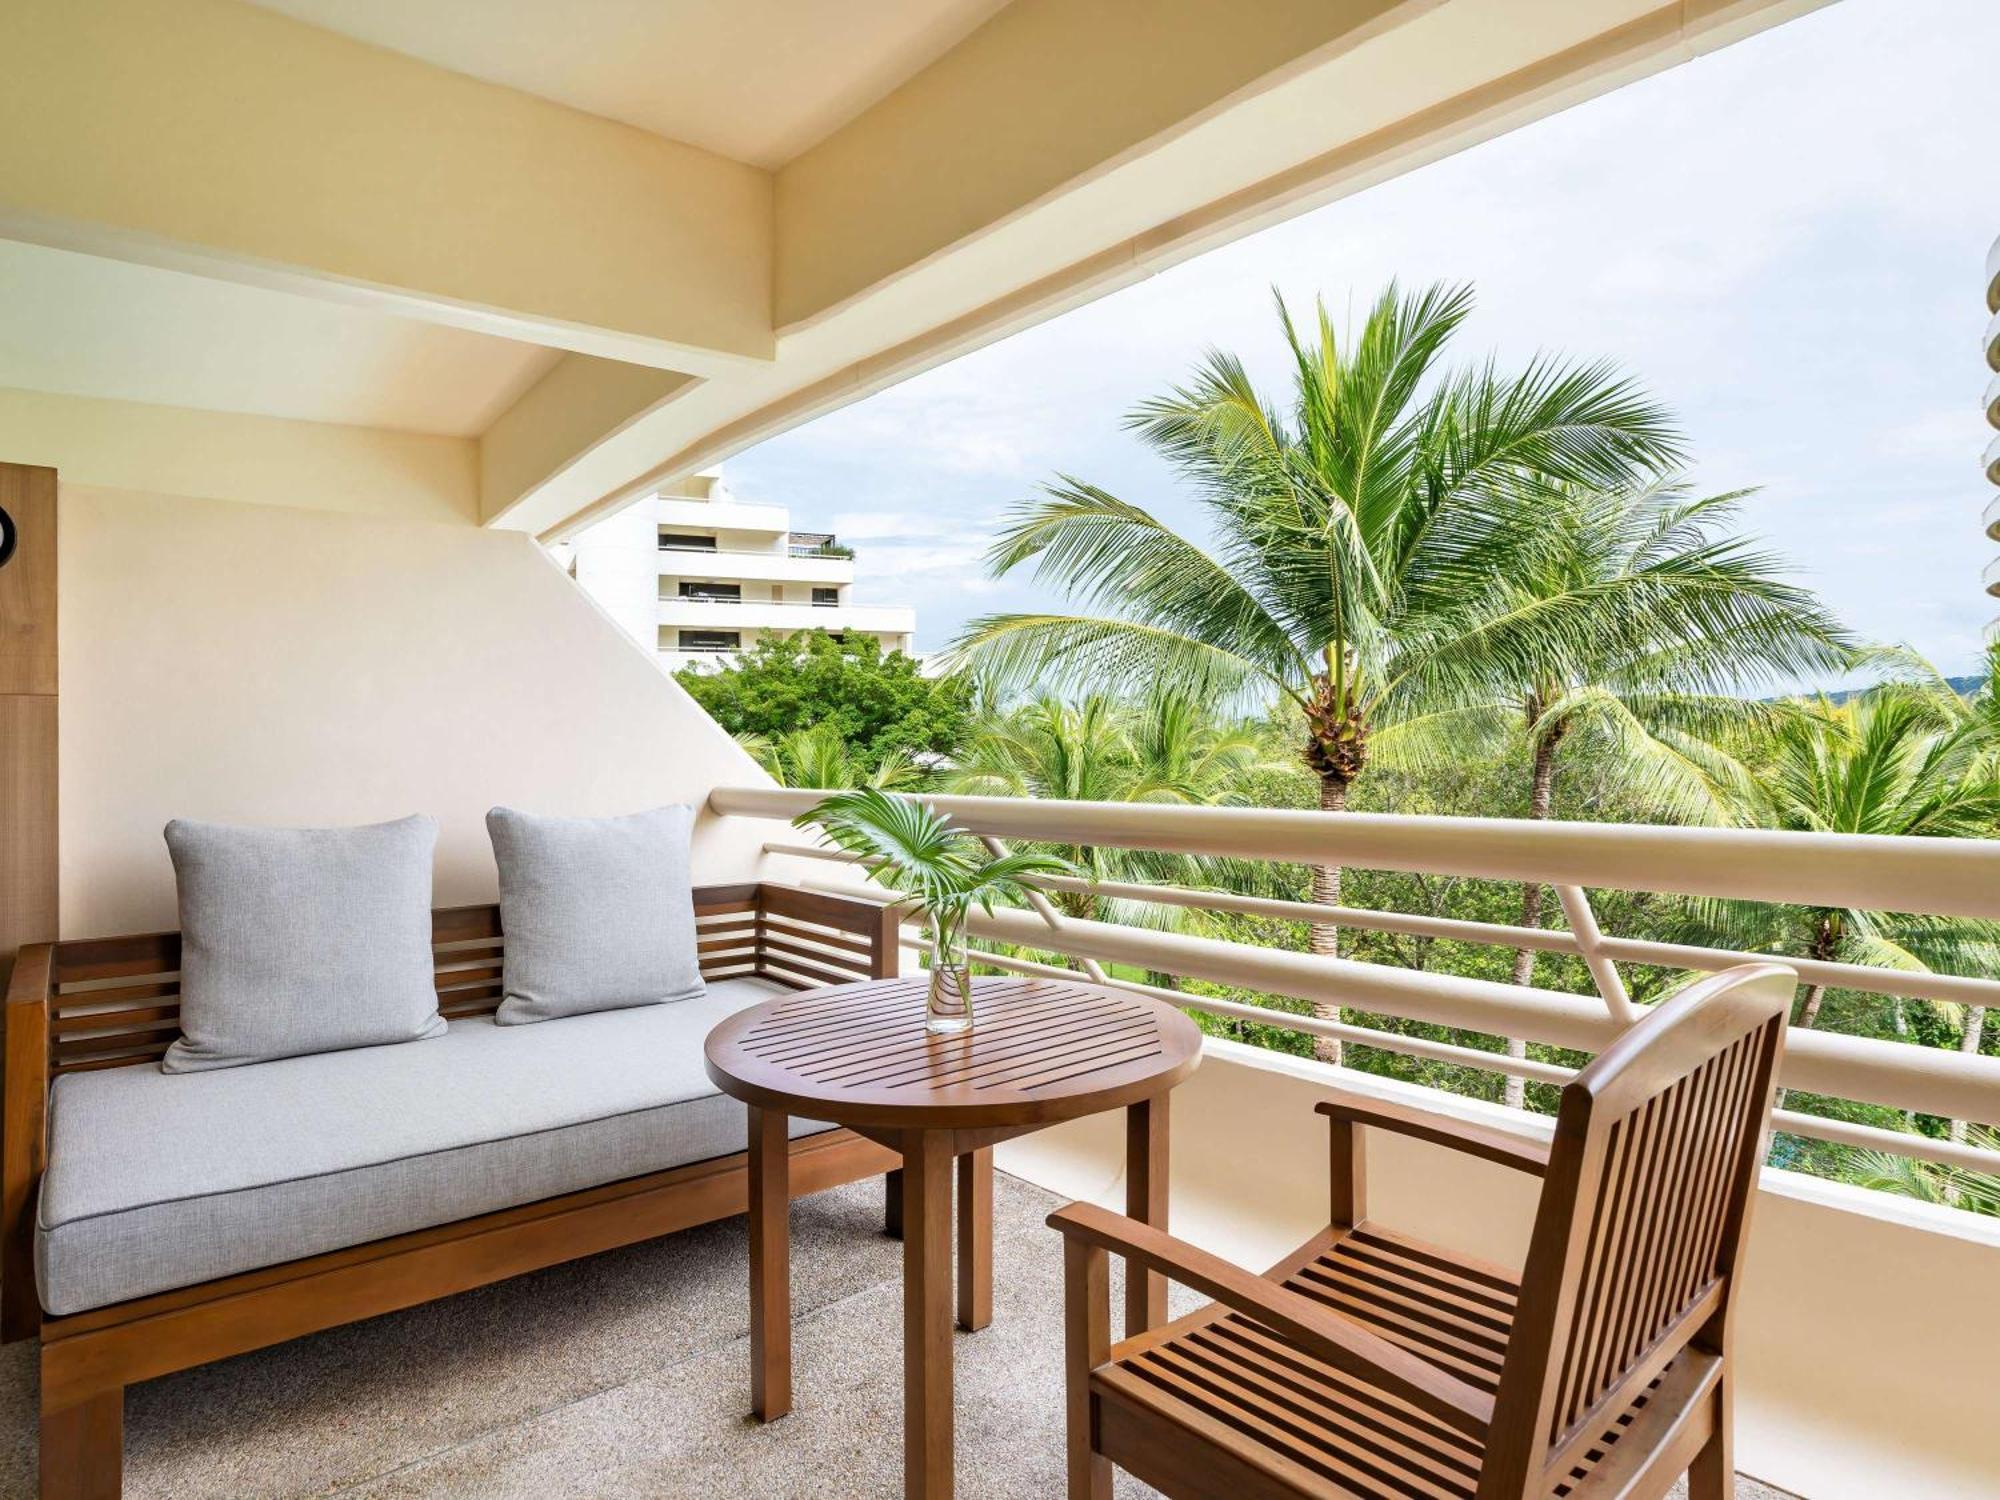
{"x":158,"y":1181}
{"x":297,"y":940}
{"x":599,"y":912}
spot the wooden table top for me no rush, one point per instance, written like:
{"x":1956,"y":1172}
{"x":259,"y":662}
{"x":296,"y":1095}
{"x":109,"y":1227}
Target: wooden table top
{"x":1039,"y":1051}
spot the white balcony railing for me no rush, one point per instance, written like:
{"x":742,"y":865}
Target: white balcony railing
{"x":1946,"y":877}
{"x":709,"y":614}
{"x":745,"y":563}
{"x":1991,"y":460}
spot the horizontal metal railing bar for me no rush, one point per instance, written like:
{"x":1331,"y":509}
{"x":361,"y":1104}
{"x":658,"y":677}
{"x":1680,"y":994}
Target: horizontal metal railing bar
{"x":1791,"y":1122}
{"x":1929,"y":1080}
{"x":1952,"y":989}
{"x":1388,"y":1041}
{"x":1896,"y":1142}
{"x":1950,"y":877}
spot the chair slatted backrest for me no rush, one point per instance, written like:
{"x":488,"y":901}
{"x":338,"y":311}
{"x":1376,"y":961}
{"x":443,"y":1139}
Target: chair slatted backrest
{"x":117,"y":1000}
{"x":1650,"y":1178}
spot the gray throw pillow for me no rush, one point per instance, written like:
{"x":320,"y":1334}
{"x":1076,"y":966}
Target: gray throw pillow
{"x":299,"y":940}
{"x":598,"y":912}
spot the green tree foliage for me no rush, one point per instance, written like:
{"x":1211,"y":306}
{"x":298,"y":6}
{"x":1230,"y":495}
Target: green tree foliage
{"x":818,"y":757}
{"x":880,"y":705}
{"x":1166,"y":747}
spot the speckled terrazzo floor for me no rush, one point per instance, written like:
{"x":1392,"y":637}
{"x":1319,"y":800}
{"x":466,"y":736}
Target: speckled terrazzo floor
{"x":622,"y":1375}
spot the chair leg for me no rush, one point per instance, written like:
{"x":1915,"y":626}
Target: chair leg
{"x":1712,"y":1475}
{"x":83,"y":1448}
{"x":892,"y":1203}
{"x":1086,"y":1345}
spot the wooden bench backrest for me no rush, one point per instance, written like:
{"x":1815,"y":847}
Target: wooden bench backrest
{"x":117,"y":1000}
{"x":1650,"y":1178}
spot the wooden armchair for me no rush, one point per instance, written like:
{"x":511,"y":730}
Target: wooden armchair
{"x":1370,"y":1363}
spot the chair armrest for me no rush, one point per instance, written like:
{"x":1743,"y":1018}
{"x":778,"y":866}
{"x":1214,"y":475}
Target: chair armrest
{"x":1501,"y":1146}
{"x":23,"y":1141}
{"x":1326,"y":1336}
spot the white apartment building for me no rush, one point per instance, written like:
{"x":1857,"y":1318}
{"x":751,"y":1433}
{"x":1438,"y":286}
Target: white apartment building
{"x":701,"y":575}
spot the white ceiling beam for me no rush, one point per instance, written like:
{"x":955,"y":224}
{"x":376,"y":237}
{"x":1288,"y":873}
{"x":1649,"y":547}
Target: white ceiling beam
{"x":218,"y":138}
{"x":956,"y":212}
{"x":1047,"y":95}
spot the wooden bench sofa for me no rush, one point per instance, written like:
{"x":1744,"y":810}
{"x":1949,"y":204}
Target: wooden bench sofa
{"x":77,"y":1007}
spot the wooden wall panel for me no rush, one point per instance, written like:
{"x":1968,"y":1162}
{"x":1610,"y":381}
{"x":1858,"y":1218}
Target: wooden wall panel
{"x":28,"y":713}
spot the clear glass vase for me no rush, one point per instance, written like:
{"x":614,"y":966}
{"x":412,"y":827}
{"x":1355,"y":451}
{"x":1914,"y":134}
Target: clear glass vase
{"x":949,"y":1009}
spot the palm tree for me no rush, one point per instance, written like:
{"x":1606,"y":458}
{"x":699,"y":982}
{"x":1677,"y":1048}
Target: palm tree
{"x":1900,"y":759}
{"x":1348,"y":532}
{"x":1164,"y":748}
{"x":817,"y":756}
{"x":1631,"y":617}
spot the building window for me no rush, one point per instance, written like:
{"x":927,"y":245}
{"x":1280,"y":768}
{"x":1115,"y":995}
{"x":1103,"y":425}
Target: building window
{"x":712,"y":593}
{"x":826,"y":597}
{"x":711,"y":640}
{"x":686,"y":541}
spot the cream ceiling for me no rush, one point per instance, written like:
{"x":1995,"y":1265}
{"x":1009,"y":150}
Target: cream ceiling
{"x":758,"y":80}
{"x":83,"y":326}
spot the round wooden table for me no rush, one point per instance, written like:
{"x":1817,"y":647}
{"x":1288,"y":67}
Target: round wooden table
{"x":1040,"y":1051}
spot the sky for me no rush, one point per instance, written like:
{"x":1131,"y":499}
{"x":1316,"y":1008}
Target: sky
{"x":1784,"y":241}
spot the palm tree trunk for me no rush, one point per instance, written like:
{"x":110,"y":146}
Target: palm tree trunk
{"x":1541,"y":797}
{"x":1324,"y":937}
{"x":1808,"y":1018}
{"x":1969,"y":1044}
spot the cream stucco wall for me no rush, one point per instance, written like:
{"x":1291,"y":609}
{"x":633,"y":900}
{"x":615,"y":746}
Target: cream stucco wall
{"x":271,"y":664}
{"x":1865,"y":1338}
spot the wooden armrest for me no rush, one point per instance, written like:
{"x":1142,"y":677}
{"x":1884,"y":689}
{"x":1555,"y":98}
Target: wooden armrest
{"x":23,"y":1140}
{"x":1326,"y":1336}
{"x":34,"y":967}
{"x":1501,"y":1146}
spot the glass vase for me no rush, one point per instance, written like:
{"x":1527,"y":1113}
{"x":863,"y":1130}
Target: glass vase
{"x":949,"y":1008}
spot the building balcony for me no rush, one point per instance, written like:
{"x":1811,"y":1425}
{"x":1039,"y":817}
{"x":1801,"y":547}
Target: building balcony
{"x":703,"y":614}
{"x":722,"y":515}
{"x":738,"y":563}
{"x":1990,"y":574}
{"x":1992,"y":401}
{"x":1991,"y":520}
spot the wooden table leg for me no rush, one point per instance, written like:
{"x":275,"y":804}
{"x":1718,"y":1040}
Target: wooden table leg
{"x":975,"y":1239}
{"x":770,"y":1265}
{"x":892,"y":1203}
{"x":927,"y":1289}
{"x":1146,"y":1201}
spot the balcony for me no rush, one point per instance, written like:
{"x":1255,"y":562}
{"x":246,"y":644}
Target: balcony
{"x":1990,"y":574}
{"x":743,"y":563}
{"x":701,"y":614}
{"x":1802,"y":1381}
{"x":721,"y":515}
{"x":1992,"y":462}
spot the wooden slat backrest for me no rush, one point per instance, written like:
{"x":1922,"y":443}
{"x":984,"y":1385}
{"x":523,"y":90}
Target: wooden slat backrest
{"x":1641,"y":1222}
{"x":117,"y":1000}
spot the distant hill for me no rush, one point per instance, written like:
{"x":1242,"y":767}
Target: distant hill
{"x":1965,"y":687}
